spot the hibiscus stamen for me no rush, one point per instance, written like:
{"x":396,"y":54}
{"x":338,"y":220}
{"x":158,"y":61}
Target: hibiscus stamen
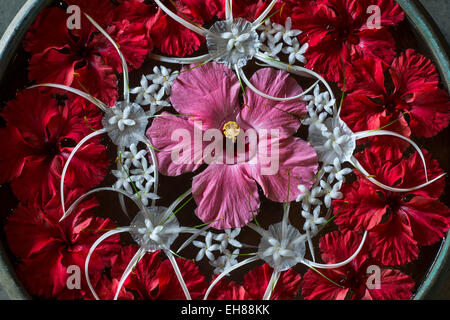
{"x":231,"y":130}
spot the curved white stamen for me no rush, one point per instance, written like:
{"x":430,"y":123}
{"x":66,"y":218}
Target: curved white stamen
{"x":271,"y":285}
{"x":227,"y":271}
{"x":193,"y":237}
{"x":262,"y":232}
{"x":121,"y":150}
{"x":177,"y":202}
{"x":374,"y":133}
{"x":336,"y":265}
{"x":200,"y":30}
{"x":155,"y":165}
{"x":134,"y":261}
{"x":178,"y":274}
{"x":263,"y":15}
{"x":80,"y":93}
{"x":66,"y":166}
{"x":304,"y":72}
{"x":358,"y":166}
{"x":285,"y":220}
{"x":91,"y":251}
{"x":310,"y":245}
{"x":256,"y":90}
{"x":84,"y":196}
{"x":229,"y":10}
{"x":200,"y":59}
{"x":126,"y":80}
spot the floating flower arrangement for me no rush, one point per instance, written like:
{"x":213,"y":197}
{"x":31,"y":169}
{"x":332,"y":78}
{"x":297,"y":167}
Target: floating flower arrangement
{"x":308,"y":164}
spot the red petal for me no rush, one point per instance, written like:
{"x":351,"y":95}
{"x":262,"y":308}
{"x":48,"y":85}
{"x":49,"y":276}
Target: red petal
{"x":143,"y":280}
{"x":429,"y":219}
{"x":173,"y":39}
{"x":224,"y":290}
{"x":393,"y":243}
{"x":316,"y":287}
{"x":257,"y":280}
{"x":411,"y":71}
{"x":169,"y":287}
{"x":132,"y":39}
{"x":394,"y":285}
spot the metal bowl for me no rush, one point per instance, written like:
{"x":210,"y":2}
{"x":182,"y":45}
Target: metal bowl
{"x":437,"y":279}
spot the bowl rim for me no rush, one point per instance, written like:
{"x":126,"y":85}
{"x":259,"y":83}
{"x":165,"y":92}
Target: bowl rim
{"x":415,"y":12}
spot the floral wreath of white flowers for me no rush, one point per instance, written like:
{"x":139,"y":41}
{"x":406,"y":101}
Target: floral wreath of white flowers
{"x":232,"y":42}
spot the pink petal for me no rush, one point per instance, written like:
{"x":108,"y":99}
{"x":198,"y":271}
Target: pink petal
{"x":228,"y":192}
{"x":160,"y":135}
{"x":261,"y":113}
{"x":209,"y":94}
{"x":297,"y":164}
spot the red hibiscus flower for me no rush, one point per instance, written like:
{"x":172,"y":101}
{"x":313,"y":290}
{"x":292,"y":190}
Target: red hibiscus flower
{"x":46,"y":247}
{"x":167,"y":35}
{"x":339,"y":30}
{"x":356,"y":280}
{"x":133,"y":43}
{"x":41,"y":135}
{"x":255,"y":284}
{"x":83,"y":58}
{"x":153,"y":279}
{"x":397,"y":222}
{"x":67,"y":56}
{"x":416,"y":97}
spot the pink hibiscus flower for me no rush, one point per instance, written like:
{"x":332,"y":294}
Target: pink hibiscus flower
{"x":254,"y":286}
{"x":226,"y":191}
{"x":338,"y":30}
{"x":47,"y":248}
{"x":352,"y":280}
{"x":416,"y":97}
{"x":398,"y":222}
{"x":41,"y":135}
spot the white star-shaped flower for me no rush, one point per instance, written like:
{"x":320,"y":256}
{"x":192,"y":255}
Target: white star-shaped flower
{"x":144,"y":92}
{"x":121,"y":118}
{"x":335,"y":172}
{"x":157,"y":102}
{"x":143,"y":172}
{"x":312,"y":220}
{"x":266,"y":29}
{"x":321,"y":100}
{"x":272,"y":49}
{"x":331,"y":192}
{"x":309,"y":197}
{"x":315,"y":119}
{"x":286,"y":32}
{"x":225,"y":261}
{"x":163,"y":77}
{"x":228,"y":237}
{"x":133,"y":156}
{"x":123,"y":180}
{"x":206,"y":248}
{"x":296,"y":52}
{"x":144,"y":194}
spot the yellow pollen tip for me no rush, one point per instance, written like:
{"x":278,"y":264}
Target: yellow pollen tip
{"x":231,"y":130}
